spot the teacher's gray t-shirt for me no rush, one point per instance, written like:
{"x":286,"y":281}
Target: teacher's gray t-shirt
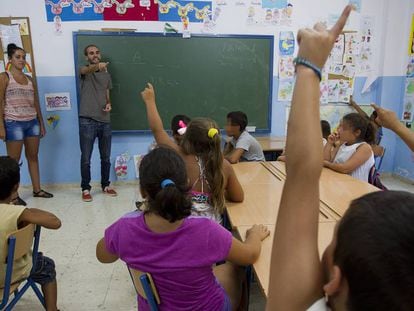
{"x":252,"y":149}
{"x":93,"y":88}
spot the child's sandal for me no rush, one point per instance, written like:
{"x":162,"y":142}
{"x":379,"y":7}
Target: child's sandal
{"x":42,"y":194}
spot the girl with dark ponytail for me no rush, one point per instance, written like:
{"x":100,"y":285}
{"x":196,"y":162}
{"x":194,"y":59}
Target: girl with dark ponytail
{"x":178,"y":250}
{"x":349,"y":150}
{"x":22,"y":123}
{"x":211,"y":177}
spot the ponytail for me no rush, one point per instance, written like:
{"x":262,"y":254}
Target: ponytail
{"x":171,"y":203}
{"x":202,"y":139}
{"x":163,"y":177}
{"x":371,"y":133}
{"x":214,"y":173}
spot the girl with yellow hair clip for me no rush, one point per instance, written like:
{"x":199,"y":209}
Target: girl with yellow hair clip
{"x":211,"y":177}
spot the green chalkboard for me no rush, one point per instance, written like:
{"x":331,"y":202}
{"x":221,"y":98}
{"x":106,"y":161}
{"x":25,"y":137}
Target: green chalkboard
{"x":205,"y":76}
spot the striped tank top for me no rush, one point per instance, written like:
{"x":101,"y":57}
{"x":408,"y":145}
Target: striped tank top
{"x":19,"y":100}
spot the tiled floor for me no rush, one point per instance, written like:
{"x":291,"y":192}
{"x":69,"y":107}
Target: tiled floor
{"x":83,"y":282}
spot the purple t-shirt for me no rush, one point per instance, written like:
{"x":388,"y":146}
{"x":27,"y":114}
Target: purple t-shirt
{"x":180,"y":262}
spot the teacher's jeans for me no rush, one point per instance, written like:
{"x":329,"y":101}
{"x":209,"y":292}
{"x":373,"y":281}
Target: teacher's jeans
{"x":89,"y":130}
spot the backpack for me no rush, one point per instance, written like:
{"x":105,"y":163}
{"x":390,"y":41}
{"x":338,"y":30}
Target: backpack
{"x":374,"y":178}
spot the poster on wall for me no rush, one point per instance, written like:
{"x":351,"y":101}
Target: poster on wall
{"x":76,"y":10}
{"x":285,"y":90}
{"x":10,"y":34}
{"x":135,"y":10}
{"x":411,"y":41}
{"x":57,"y":101}
{"x":23,"y":26}
{"x":286,"y":43}
{"x":177,"y":10}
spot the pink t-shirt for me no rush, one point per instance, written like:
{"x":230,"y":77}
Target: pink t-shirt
{"x":180,"y":262}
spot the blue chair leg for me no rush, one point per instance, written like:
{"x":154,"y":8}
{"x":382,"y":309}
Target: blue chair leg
{"x":17,"y":296}
{"x":37,"y":292}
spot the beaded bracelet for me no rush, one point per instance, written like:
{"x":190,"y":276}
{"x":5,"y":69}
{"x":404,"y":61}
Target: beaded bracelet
{"x":306,"y":63}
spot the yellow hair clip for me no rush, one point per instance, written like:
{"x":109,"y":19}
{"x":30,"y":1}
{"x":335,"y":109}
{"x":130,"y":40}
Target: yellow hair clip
{"x":212,"y":132}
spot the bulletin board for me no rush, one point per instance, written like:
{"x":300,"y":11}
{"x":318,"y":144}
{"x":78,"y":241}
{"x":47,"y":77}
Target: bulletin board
{"x":26,"y":38}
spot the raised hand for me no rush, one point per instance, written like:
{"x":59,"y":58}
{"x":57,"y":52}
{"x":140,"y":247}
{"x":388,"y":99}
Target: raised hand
{"x":316,"y":44}
{"x":148,"y":94}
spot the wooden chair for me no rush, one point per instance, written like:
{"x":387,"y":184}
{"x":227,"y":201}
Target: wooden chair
{"x":145,"y":287}
{"x":19,"y":244}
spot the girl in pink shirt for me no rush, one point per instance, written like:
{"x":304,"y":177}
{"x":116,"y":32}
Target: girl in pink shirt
{"x":177,"y":249}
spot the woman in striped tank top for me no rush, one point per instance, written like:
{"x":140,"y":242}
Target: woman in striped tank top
{"x":22,"y":119}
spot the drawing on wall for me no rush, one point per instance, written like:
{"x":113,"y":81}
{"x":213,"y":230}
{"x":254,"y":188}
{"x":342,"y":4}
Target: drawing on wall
{"x":285,"y":90}
{"x":175,"y":11}
{"x":411,"y":40}
{"x":274,"y":4}
{"x":57,"y":101}
{"x":23,"y":26}
{"x":53,"y":120}
{"x":286,"y":67}
{"x":410,"y":68}
{"x":10,"y":34}
{"x":407,"y":114}
{"x":121,"y":166}
{"x":286,"y":43}
{"x":95,"y":10}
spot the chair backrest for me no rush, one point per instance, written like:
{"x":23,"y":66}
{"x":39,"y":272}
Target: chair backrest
{"x":145,"y":287}
{"x":23,"y":241}
{"x":374,"y":178}
{"x":380,"y":158}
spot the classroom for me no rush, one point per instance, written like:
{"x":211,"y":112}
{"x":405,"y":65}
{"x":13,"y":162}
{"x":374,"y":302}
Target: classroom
{"x":204,"y":58}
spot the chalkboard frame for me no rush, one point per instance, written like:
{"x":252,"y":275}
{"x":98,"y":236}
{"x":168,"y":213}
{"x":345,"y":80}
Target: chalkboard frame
{"x":269,"y":38}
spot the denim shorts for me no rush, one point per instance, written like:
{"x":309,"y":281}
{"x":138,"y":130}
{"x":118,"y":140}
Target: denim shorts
{"x":44,"y":272}
{"x":19,"y":130}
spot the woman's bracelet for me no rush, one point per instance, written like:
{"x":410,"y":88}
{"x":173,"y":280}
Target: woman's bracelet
{"x":306,"y":63}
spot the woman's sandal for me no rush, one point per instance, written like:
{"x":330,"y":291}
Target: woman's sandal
{"x":42,"y":194}
{"x":18,"y":201}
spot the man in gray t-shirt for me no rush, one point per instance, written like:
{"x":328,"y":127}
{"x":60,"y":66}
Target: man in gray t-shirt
{"x":242,"y":146}
{"x":94,"y":119}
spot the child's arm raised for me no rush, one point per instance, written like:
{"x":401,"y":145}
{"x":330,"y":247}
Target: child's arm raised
{"x":39,"y":217}
{"x":154,"y":119}
{"x":388,"y":119}
{"x":296,"y":277}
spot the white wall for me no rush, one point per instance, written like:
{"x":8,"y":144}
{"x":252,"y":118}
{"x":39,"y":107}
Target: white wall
{"x":54,"y":53}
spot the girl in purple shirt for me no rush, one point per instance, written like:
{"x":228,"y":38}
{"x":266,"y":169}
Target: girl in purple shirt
{"x":179,"y":250}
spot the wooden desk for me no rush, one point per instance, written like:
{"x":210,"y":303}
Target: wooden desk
{"x":262,"y":265}
{"x":254,"y":173}
{"x":271,"y":138}
{"x":336,"y":190}
{"x":272,"y":146}
{"x":262,"y":194}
